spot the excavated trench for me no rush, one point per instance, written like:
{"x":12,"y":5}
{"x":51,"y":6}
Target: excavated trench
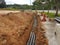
{"x":37,"y":35}
{"x":32,"y":38}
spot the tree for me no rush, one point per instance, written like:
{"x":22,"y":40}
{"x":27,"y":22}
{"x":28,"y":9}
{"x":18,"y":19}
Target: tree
{"x":37,"y":5}
{"x":40,"y":5}
{"x":2,"y":4}
{"x":48,"y":5}
{"x":56,"y":4}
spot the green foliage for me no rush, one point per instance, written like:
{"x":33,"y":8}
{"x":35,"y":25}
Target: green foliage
{"x":50,"y":4}
{"x":51,"y":15}
{"x":17,"y":6}
{"x":36,"y":5}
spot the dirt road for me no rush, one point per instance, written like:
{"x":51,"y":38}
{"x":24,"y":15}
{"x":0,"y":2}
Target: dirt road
{"x":7,"y":11}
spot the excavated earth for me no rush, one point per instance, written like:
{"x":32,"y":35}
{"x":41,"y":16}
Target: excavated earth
{"x":15,"y":29}
{"x":41,"y":39}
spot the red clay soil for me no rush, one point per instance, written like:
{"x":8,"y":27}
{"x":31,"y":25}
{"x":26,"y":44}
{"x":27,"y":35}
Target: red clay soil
{"x":15,"y":28}
{"x":40,"y":34}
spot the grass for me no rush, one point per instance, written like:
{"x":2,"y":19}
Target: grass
{"x":8,"y":9}
{"x":51,"y":15}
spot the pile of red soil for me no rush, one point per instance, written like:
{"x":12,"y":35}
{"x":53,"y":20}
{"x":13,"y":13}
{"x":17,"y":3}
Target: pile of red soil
{"x":15,"y":28}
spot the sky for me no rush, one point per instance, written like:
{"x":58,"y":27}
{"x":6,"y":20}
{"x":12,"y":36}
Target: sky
{"x":18,"y":1}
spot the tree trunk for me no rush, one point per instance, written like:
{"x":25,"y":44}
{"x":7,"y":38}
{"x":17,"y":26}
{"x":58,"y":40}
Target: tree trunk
{"x":56,"y":11}
{"x":48,"y":9}
{"x":56,"y":8}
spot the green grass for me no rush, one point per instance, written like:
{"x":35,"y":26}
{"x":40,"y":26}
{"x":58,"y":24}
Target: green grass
{"x":8,"y":9}
{"x":51,"y":15}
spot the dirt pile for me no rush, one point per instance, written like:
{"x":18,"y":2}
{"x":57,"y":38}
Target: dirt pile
{"x":40,"y":34}
{"x":15,"y":28}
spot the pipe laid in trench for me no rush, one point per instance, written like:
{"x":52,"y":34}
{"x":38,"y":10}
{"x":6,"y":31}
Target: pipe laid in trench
{"x":32,"y":37}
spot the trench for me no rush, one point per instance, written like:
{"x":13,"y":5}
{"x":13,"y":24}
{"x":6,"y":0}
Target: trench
{"x":32,"y":37}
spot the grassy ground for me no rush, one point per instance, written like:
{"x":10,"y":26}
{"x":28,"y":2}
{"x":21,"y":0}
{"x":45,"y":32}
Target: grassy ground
{"x":51,"y":15}
{"x":8,"y":9}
